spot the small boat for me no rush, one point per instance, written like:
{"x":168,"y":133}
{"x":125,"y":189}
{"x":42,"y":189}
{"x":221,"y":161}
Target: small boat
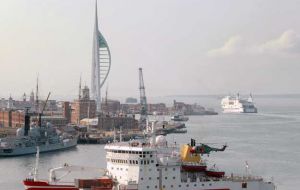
{"x":193,"y":168}
{"x":179,"y":117}
{"x":214,"y":172}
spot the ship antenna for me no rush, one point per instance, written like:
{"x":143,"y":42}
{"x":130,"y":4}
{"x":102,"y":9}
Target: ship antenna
{"x":153,"y":133}
{"x":37,"y":96}
{"x":115,"y":135}
{"x":121,"y":134}
{"x":36,"y":169}
{"x":247,"y":168}
{"x":79,"y":94}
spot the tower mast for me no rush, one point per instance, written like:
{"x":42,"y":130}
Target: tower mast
{"x":101,"y":63}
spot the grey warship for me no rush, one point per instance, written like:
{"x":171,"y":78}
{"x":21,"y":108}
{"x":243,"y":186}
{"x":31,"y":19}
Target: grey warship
{"x":29,"y":137}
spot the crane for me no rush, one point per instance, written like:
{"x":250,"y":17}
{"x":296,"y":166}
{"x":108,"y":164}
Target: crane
{"x":143,"y":101}
{"x":70,"y":168}
{"x":41,"y":113}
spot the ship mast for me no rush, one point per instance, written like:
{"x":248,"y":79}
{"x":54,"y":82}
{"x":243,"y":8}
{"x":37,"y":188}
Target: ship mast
{"x":79,"y":90}
{"x":37,"y":107}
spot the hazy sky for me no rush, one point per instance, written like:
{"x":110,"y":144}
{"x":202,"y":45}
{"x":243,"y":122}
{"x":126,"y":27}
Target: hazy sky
{"x":184,"y":46}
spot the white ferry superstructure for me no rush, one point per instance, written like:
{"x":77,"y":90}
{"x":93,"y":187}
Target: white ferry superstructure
{"x":234,"y":104}
{"x":155,"y":164}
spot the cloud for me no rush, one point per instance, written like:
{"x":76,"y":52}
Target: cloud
{"x":233,"y":45}
{"x":287,"y":42}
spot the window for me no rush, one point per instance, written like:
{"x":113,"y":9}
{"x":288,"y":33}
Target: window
{"x":174,"y":177}
{"x":195,"y":185}
{"x":150,"y":178}
{"x":171,"y":186}
{"x":174,"y":169}
{"x":152,"y":161}
{"x":147,"y":187}
{"x":155,"y":186}
{"x":142,"y":178}
{"x":166,"y":177}
{"x":187,"y":185}
{"x":244,"y":185}
{"x":179,"y":185}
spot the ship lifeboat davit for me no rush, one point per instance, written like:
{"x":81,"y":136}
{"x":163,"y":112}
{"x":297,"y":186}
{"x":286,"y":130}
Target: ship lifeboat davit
{"x":193,"y":168}
{"x":214,"y":173}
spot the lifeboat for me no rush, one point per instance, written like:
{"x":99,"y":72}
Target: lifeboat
{"x":214,"y":173}
{"x":193,"y":168}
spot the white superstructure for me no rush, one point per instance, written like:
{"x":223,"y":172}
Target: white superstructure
{"x":155,"y":164}
{"x":234,"y":104}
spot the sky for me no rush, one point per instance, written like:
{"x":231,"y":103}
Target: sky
{"x":185,"y":47}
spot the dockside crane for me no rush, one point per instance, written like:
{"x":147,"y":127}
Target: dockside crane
{"x":143,"y":102}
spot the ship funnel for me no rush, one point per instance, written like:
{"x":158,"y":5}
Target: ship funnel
{"x":27,"y":122}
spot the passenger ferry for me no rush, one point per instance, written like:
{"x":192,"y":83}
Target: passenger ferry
{"x":234,"y":104}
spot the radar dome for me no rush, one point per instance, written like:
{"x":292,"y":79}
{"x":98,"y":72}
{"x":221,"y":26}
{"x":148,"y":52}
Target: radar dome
{"x":161,"y":140}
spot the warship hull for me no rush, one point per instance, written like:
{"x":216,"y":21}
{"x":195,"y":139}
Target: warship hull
{"x":19,"y":151}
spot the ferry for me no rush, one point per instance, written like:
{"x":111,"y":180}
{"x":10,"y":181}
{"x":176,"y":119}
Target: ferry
{"x":234,"y":104}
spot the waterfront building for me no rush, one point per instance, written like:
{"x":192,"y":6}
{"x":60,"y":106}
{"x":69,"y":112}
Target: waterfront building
{"x":83,"y":107}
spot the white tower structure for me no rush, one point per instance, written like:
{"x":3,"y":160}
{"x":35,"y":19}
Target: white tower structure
{"x":101,"y":63}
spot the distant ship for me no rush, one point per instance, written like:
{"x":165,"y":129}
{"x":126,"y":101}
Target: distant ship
{"x":29,"y":137}
{"x":179,"y":117}
{"x":234,"y":104}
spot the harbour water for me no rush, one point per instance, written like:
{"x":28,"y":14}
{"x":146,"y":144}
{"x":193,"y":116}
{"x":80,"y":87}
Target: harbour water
{"x":269,"y":142}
